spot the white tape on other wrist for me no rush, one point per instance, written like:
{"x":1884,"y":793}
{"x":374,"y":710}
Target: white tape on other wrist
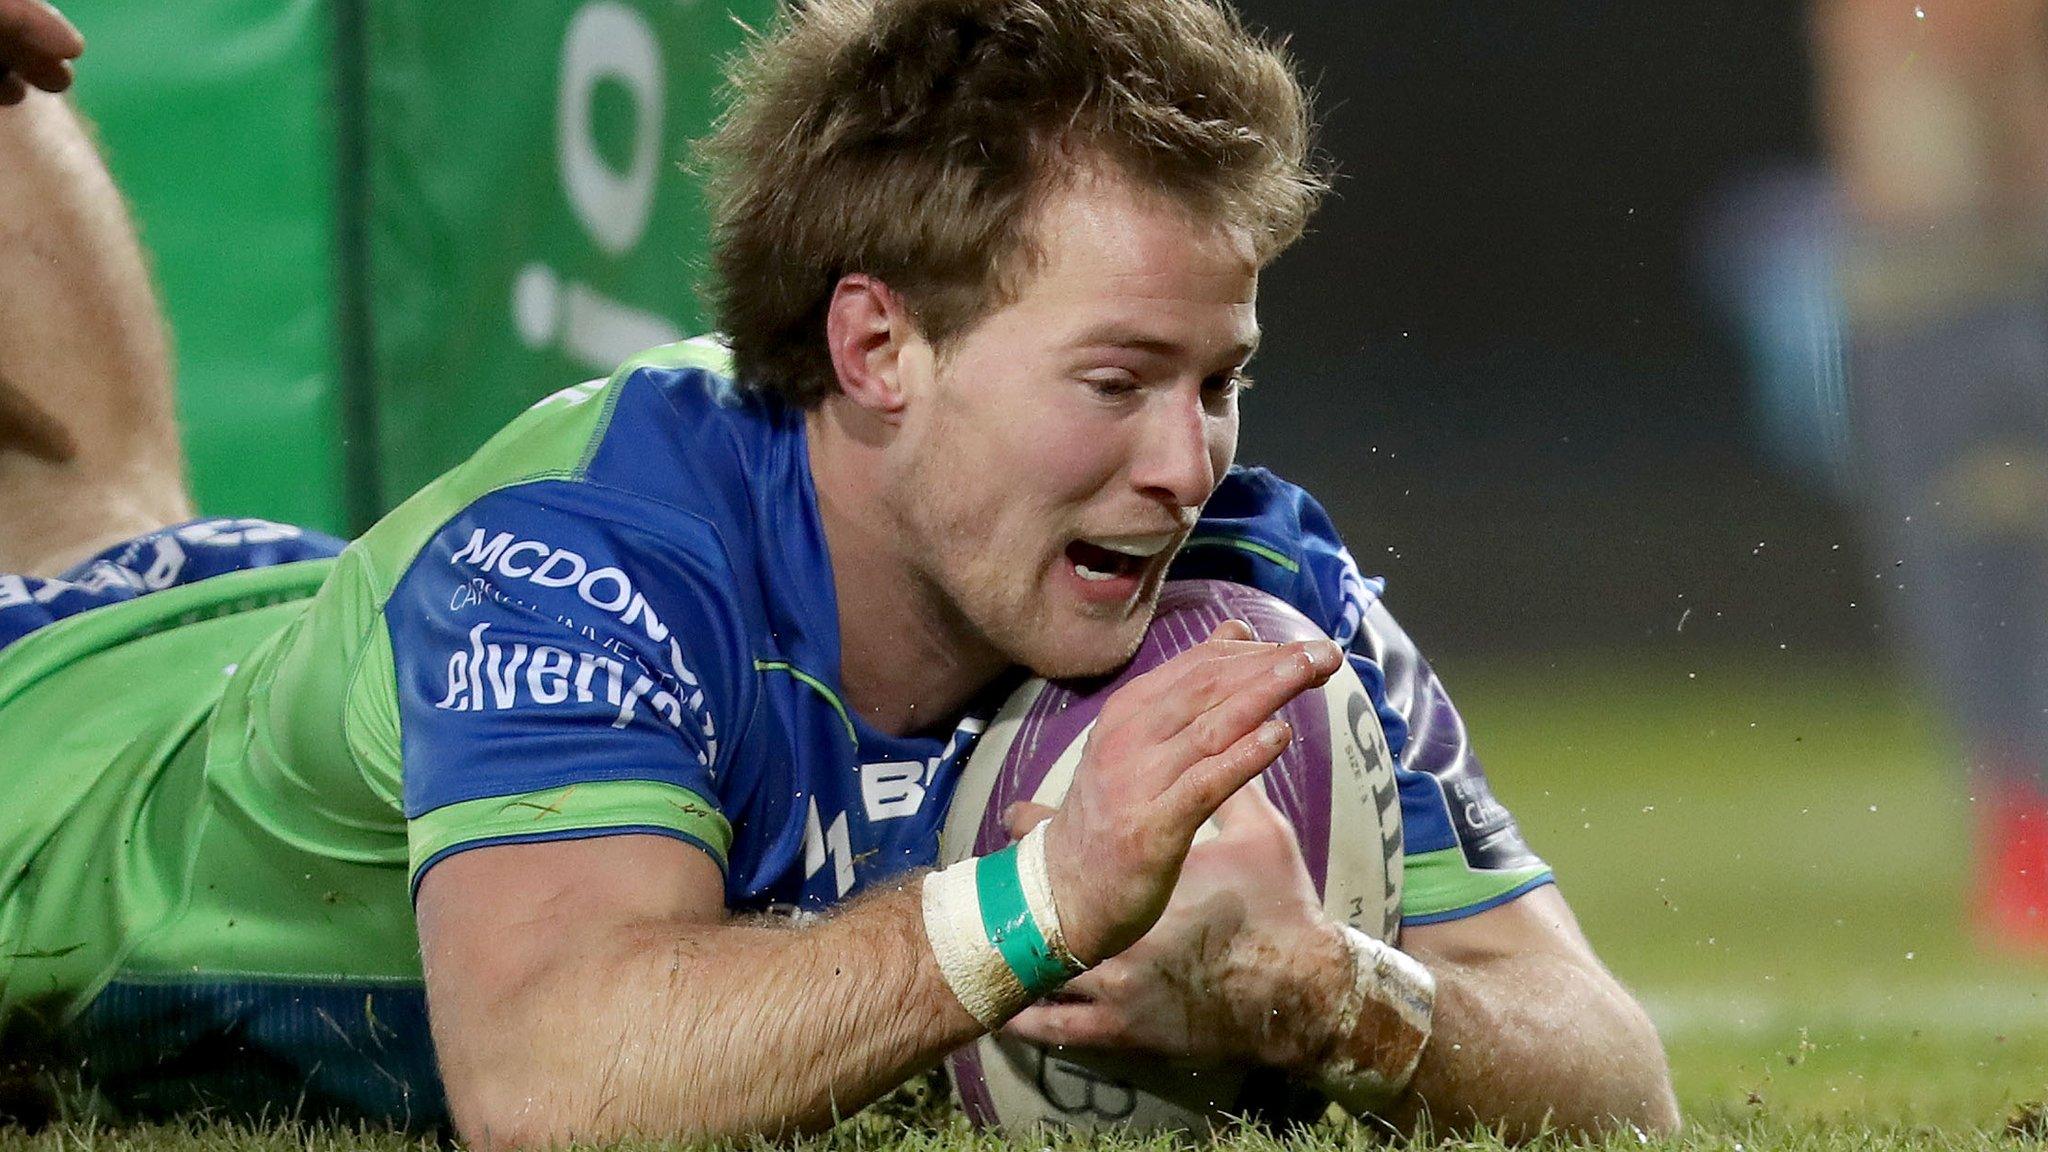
{"x":1382,"y":1027}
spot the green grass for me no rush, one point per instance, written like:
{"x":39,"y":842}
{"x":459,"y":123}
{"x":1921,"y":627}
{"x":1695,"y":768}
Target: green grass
{"x":1775,"y":859}
{"x":1773,"y":856}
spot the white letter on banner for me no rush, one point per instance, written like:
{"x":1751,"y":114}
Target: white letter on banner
{"x":609,"y":40}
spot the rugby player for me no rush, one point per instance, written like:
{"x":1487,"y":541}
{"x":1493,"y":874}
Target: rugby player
{"x":540,"y":755}
{"x":1937,"y":128}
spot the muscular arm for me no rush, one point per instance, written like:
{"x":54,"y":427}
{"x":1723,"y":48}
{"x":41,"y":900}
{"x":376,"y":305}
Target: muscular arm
{"x":569,"y":1005}
{"x":88,"y":440}
{"x":595,"y":989}
{"x":1531,"y":1032}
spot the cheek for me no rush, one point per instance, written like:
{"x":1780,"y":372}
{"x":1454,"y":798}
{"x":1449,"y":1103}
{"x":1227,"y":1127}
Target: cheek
{"x":1087,"y":458}
{"x":1063,"y":454}
{"x":1223,"y":443}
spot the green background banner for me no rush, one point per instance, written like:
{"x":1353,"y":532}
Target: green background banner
{"x":533,"y":223}
{"x":381,"y":228}
{"x":217,"y":119}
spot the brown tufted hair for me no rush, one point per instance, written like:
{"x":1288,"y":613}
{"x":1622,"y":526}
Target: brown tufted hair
{"x":912,"y":140}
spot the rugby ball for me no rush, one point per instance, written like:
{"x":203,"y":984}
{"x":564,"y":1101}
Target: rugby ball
{"x":1334,"y":783}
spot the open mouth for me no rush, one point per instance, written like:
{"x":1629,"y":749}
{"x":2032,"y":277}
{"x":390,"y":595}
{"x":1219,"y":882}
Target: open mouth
{"x":1102,"y":559}
{"x":1094,"y":562}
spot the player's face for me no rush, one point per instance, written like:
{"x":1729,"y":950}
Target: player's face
{"x":1063,"y":447}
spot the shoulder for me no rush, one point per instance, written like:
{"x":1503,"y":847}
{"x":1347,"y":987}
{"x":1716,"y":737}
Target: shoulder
{"x":664,"y":441}
{"x":680,"y":432}
{"x":610,"y":525}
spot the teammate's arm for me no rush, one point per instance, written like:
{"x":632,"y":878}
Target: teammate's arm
{"x":88,"y":440}
{"x":592,"y":990}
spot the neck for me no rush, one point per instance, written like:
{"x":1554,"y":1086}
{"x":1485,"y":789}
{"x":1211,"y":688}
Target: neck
{"x":907,"y":661}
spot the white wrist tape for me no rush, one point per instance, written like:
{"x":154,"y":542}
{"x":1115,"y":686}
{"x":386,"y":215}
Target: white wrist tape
{"x":1381,"y":1029}
{"x":995,"y":932}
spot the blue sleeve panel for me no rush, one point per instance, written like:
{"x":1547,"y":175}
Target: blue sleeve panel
{"x":557,"y":633}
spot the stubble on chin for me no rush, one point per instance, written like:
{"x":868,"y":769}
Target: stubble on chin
{"x":1077,"y":663}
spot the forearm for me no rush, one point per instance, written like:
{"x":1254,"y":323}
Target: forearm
{"x":85,"y":383}
{"x":1534,"y":1042}
{"x":713,"y":1032}
{"x":592,"y":988}
{"x":74,"y":290}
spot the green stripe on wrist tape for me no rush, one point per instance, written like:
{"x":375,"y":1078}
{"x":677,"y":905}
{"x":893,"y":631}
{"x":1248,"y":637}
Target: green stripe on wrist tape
{"x":1006,"y":918}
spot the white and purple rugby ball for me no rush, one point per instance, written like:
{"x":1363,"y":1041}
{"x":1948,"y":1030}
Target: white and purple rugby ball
{"x":1334,"y":783}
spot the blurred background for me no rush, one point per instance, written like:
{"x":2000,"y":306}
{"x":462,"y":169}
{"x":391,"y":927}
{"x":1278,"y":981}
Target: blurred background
{"x":1620,"y":351}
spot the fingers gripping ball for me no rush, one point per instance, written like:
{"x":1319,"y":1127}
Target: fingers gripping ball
{"x":1334,"y":784}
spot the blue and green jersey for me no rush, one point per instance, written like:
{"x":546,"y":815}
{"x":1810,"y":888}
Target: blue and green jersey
{"x":217,"y":799}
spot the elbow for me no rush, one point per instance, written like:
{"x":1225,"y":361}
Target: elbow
{"x":505,"y":1121}
{"x":1653,"y":1116}
{"x":508,"y":1110}
{"x":1627,"y":1074}
{"x":1642,"y":1110}
{"x":1655,"y":1105}
{"x":1665,"y":1120}
{"x":1656,"y":1110}
{"x":1629,"y":1091}
{"x":1636,"y":1098}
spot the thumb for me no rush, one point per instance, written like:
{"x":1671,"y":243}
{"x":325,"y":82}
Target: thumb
{"x":1023,"y":816}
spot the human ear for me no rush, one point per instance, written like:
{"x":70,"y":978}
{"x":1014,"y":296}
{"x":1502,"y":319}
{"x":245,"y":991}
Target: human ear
{"x":868,"y":328}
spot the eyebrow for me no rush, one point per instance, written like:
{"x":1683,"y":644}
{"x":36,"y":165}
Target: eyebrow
{"x":1117,"y":336}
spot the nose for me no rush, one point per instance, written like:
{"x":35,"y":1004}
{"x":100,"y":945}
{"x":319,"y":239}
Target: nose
{"x":1183,"y":450}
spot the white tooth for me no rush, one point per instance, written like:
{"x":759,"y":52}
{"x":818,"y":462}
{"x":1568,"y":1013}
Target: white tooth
{"x":1087,"y":573}
{"x":1140,"y":546}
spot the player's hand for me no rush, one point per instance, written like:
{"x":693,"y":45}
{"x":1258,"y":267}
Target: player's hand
{"x":1166,"y":750}
{"x":1244,"y":966}
{"x":37,"y":46}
